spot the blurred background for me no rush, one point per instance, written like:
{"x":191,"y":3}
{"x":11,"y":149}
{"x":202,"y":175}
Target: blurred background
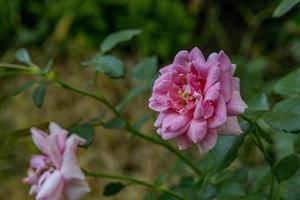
{"x":69,"y":31}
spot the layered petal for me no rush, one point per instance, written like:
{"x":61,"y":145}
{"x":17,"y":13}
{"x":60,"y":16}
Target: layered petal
{"x":181,"y":58}
{"x":236,"y":105}
{"x":76,"y":189}
{"x":196,"y":98}
{"x":197,"y":130}
{"x":230,"y":127}
{"x":208,"y":141}
{"x":70,"y":168}
{"x":212,"y":77}
{"x":174,"y":121}
{"x":220,"y":114}
{"x":61,"y":133}
{"x":183,"y":142}
{"x":52,"y":187}
{"x":196,"y":55}
{"x":39,"y":138}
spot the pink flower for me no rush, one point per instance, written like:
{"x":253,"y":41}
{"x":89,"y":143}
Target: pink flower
{"x":55,"y":174}
{"x":197,"y":99}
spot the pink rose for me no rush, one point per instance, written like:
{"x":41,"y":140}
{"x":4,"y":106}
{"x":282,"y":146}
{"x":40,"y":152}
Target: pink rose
{"x":197,"y":99}
{"x":55,"y":174}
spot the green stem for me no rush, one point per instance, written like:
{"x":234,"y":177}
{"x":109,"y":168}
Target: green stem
{"x":259,"y":144}
{"x":136,"y":181}
{"x":129,"y":127}
{"x":14,"y":66}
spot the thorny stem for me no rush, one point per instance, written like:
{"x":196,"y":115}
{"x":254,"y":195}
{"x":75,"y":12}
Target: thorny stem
{"x":136,"y":181}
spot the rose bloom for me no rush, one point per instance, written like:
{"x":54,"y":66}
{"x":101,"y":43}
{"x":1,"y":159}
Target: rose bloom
{"x":197,"y":99}
{"x":55,"y":174}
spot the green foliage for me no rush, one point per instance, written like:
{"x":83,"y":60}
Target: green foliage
{"x":297,"y":144}
{"x":112,"y":189}
{"x":289,"y":84}
{"x":156,"y":18}
{"x":287,"y":167}
{"x":115,"y":123}
{"x":284,"y":7}
{"x":285,"y":116}
{"x":109,"y":65}
{"x":258,"y":102}
{"x":18,"y":90}
{"x":85,"y":131}
{"x":23,"y":87}
{"x":187,"y":187}
{"x":146,"y":69}
{"x":134,"y":92}
{"x":115,"y":38}
{"x":38,"y":94}
{"x":231,"y":154}
{"x":141,"y":121}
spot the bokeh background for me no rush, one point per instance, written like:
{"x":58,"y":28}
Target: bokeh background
{"x":69,"y":31}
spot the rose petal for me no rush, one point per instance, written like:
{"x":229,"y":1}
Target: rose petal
{"x":167,"y":135}
{"x":197,"y":130}
{"x":39,"y":138}
{"x":220,"y":114}
{"x":208,"y":142}
{"x":181,"y":57}
{"x":213,"y":92}
{"x":198,"y":112}
{"x":70,"y":168}
{"x":212,"y":77}
{"x":196,"y":55}
{"x":183,"y":142}
{"x":76,"y":189}
{"x":174,"y":121}
{"x":231,"y":127}
{"x":53,"y":150}
{"x":52,"y":187}
{"x":236,"y":105}
{"x":61,"y":135}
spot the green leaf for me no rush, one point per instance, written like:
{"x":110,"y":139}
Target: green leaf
{"x":48,"y":67}
{"x":18,"y":90}
{"x":98,"y":118}
{"x":109,"y":65}
{"x":121,"y":36}
{"x":297,"y":145}
{"x":265,"y":136}
{"x":284,"y":7}
{"x":189,"y":189}
{"x":258,"y":102}
{"x":289,"y":84}
{"x":115,"y":123}
{"x":141,"y":121}
{"x":22,"y":55}
{"x":112,"y":189}
{"x":134,"y":92}
{"x":231,"y":154}
{"x":39,"y":94}
{"x":146,"y":69}
{"x":85,"y":131}
{"x":23,"y":87}
{"x":287,"y":167}
{"x":231,"y":190}
{"x":285,"y":116}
